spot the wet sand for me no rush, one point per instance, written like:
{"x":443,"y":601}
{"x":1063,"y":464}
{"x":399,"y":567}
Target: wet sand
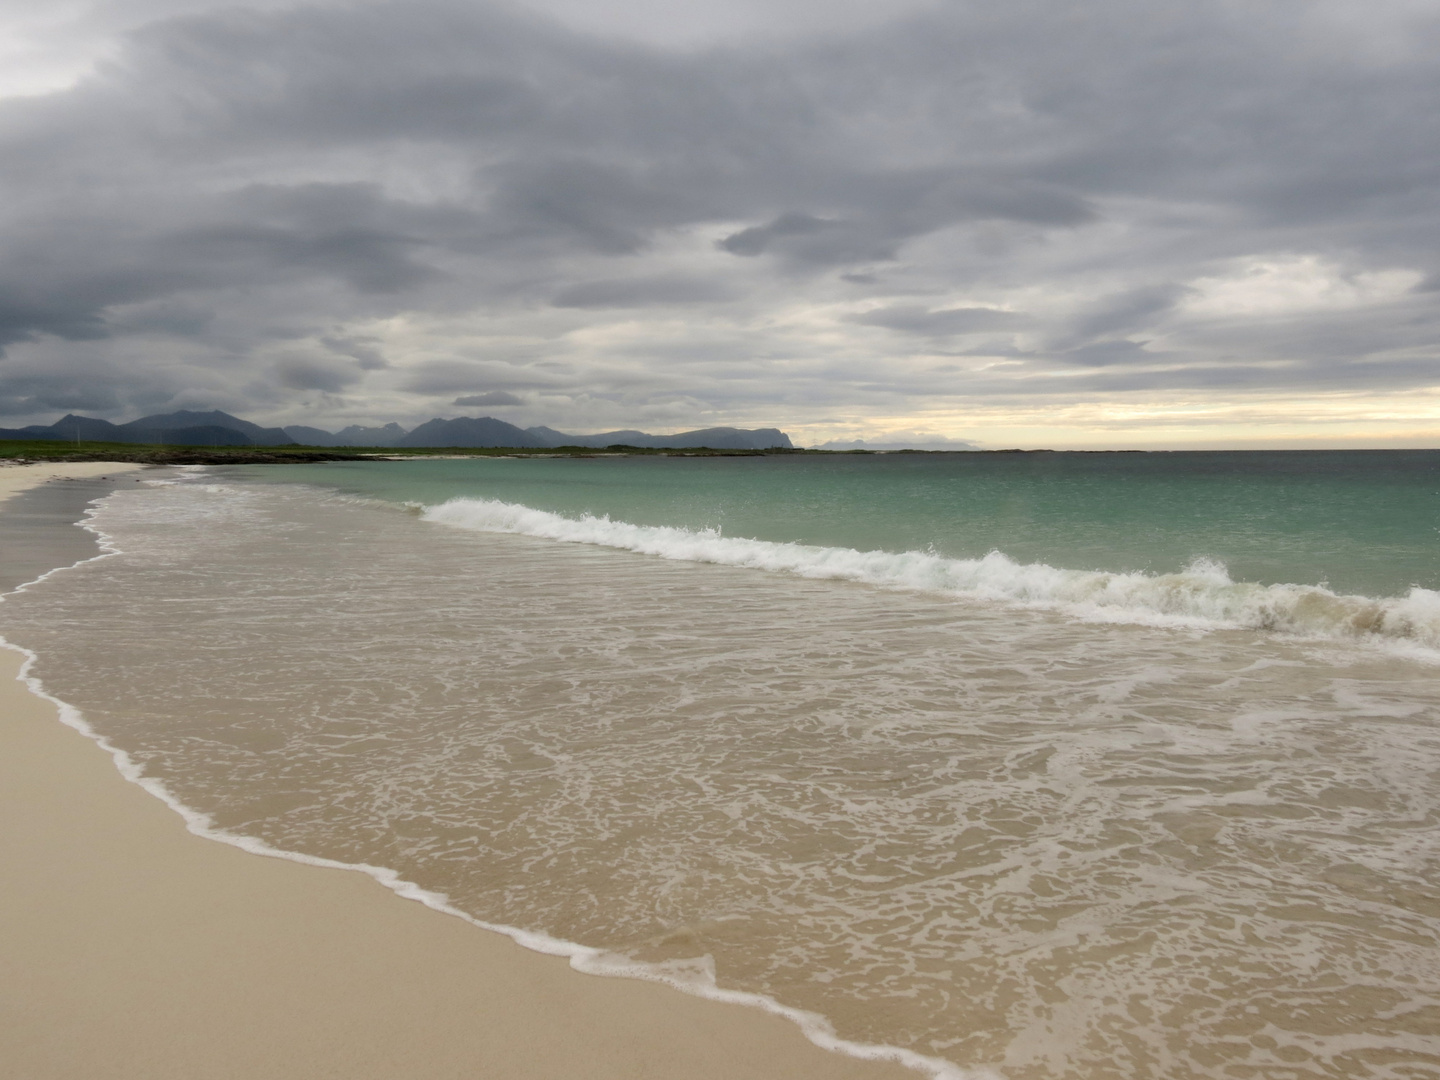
{"x":133,"y":948}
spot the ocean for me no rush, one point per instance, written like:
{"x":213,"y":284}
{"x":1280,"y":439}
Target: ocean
{"x":1033,"y":765}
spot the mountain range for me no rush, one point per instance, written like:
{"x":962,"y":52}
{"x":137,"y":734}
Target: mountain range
{"x":187,"y":428}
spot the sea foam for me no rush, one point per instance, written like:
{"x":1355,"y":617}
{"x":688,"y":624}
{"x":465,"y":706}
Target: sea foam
{"x":1202,"y":595}
{"x":696,"y":978}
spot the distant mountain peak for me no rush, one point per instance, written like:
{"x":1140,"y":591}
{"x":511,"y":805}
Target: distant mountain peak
{"x":187,"y":418}
{"x":214,"y":428}
{"x":470,"y":431}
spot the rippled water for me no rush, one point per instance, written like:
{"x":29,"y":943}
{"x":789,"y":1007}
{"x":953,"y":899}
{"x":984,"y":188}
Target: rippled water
{"x":1003,"y":836}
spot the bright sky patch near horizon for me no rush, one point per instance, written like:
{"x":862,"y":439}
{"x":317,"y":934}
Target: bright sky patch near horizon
{"x":1120,"y":224}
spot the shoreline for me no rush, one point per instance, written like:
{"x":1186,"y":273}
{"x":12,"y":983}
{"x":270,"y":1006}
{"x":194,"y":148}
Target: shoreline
{"x":136,"y":948}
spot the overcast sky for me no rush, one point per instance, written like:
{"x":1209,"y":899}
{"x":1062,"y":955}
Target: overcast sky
{"x":1032,"y":223}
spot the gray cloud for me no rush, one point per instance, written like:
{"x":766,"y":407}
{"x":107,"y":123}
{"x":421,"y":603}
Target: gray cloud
{"x":362,"y":350}
{"x":389,"y":204}
{"x":1109,"y":353}
{"x":350,"y":232}
{"x":436,"y":377}
{"x":914,"y":319}
{"x":494,"y":399}
{"x":1132,"y":310}
{"x":640,"y":292}
{"x":759,"y":238}
{"x":303,"y":373}
{"x":22,"y":321}
{"x":26,"y":394}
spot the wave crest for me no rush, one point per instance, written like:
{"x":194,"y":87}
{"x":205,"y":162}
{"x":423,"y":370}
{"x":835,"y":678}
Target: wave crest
{"x":1203,"y":594}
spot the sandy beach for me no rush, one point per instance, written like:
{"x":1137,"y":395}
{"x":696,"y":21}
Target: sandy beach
{"x":133,"y":948}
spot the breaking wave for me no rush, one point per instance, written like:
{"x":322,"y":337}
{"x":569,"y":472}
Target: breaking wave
{"x":1203,"y":594}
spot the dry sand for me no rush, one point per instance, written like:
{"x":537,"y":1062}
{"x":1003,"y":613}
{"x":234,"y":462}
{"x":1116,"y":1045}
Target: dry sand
{"x":133,"y":948}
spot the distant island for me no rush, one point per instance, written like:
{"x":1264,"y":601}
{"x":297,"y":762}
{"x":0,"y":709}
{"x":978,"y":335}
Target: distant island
{"x":188,"y":428}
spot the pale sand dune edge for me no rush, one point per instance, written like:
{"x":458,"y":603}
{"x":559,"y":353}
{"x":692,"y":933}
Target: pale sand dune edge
{"x":132,"y":948}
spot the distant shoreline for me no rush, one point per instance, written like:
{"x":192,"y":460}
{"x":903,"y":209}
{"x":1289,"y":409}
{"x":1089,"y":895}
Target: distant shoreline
{"x":156,"y":454}
{"x":19,"y":452}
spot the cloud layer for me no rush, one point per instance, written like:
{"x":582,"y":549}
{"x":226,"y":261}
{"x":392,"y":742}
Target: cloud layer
{"x":1123,"y":222}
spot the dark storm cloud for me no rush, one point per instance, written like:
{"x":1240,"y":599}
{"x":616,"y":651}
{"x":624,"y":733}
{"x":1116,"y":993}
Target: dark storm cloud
{"x":25,"y":394}
{"x":346,"y":231}
{"x":265,"y":203}
{"x":22,"y":318}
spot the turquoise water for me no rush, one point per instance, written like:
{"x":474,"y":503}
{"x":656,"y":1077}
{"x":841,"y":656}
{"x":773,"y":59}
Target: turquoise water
{"x":1363,"y":522}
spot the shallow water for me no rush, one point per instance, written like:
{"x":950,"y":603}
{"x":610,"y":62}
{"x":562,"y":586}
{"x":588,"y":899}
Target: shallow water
{"x":36,"y":533}
{"x":1001,"y":836}
{"x":1364,"y":522}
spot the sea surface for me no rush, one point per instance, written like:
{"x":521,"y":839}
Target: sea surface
{"x":1027,"y":765}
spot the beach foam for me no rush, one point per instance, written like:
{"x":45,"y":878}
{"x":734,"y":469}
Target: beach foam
{"x":697,"y":979}
{"x":1201,"y":595}
{"x":690,"y":977}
